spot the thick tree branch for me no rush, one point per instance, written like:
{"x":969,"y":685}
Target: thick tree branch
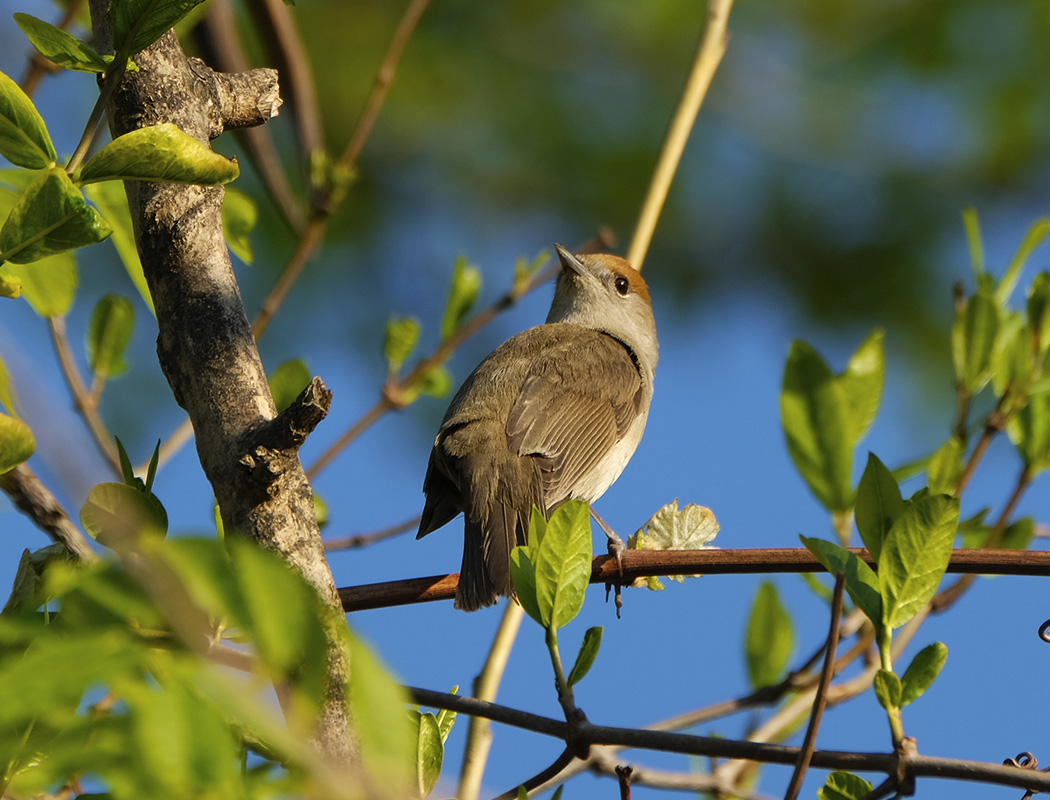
{"x":205,"y":344}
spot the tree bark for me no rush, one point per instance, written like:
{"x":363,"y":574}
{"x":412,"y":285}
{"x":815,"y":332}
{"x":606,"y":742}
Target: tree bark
{"x":249,"y":453}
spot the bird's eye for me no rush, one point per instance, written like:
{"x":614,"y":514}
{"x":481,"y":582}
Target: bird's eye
{"x":623,"y":286}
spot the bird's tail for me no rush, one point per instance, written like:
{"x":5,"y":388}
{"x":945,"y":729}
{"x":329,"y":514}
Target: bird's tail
{"x":485,"y":574}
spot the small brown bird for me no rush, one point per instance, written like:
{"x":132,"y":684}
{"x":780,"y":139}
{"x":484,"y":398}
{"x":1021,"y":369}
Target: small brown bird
{"x":552,"y":414}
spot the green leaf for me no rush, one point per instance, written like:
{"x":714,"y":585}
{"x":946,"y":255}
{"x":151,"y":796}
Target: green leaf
{"x":380,"y":724}
{"x":112,"y":203}
{"x":915,"y":556}
{"x":863,"y":382}
{"x":1035,"y":236}
{"x":161,"y":153}
{"x":973,"y":238}
{"x":10,"y":286}
{"x":945,"y":467}
{"x":562,"y":563}
{"x":118,"y":515}
{"x":139,"y":23}
{"x":862,"y":583}
{"x":49,"y":217}
{"x":446,"y":719}
{"x":671,"y":528}
{"x":127,"y":471}
{"x":1029,"y":430}
{"x":430,"y":753}
{"x":402,"y":334}
{"x":922,"y":672}
{"x":8,"y":397}
{"x":287,"y":382}
{"x":592,"y":641}
{"x":844,"y":786}
{"x":109,"y":332}
{"x":973,"y":340}
{"x":878,"y":504}
{"x":1038,"y":308}
{"x":151,"y":469}
{"x":23,"y":136}
{"x":16,"y":442}
{"x":29,"y":577}
{"x":524,"y":270}
{"x":818,"y":420}
{"x":436,"y":382}
{"x":887,"y":689}
{"x":466,"y":283}
{"x":48,"y":285}
{"x":523,"y":574}
{"x":770,"y":637}
{"x":239,"y":218}
{"x":60,"y":47}
{"x":818,"y":587}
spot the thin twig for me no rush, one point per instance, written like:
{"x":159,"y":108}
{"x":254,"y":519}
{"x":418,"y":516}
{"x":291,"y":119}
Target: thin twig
{"x":86,"y":404}
{"x":708,"y":57}
{"x":479,"y":731}
{"x":810,"y":740}
{"x":366,"y":539}
{"x":38,"y":66}
{"x":33,"y":499}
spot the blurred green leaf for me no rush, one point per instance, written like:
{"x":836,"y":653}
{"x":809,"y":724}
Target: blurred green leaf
{"x":161,"y":153}
{"x":139,"y":23}
{"x":60,"y":47}
{"x":973,"y":238}
{"x":466,"y":283}
{"x":862,"y":384}
{"x":26,"y":590}
{"x":10,"y":285}
{"x":118,"y":515}
{"x":817,"y":421}
{"x":239,"y":218}
{"x":112,"y":203}
{"x":922,"y":672}
{"x":770,"y":638}
{"x":402,"y":334}
{"x":48,"y":285}
{"x":8,"y":397}
{"x":23,"y":136}
{"x":16,"y":442}
{"x":915,"y":555}
{"x":1035,"y":236}
{"x":592,"y":642}
{"x":287,"y":382}
{"x":49,"y":217}
{"x":878,"y":504}
{"x":946,"y":466}
{"x":109,"y":332}
{"x":887,"y":689}
{"x":436,"y":382}
{"x":844,"y":786}
{"x":973,"y":339}
{"x":1038,"y":307}
{"x":1029,"y":430}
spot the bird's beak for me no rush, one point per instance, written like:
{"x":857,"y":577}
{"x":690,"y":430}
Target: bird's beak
{"x":569,"y":261}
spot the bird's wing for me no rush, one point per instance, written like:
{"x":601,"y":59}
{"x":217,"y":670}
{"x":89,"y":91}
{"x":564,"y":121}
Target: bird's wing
{"x":571,"y":411}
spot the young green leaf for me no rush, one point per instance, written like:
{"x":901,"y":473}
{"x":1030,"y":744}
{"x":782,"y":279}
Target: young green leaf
{"x":887,"y":689}
{"x":563,"y":564}
{"x":161,"y":153}
{"x":915,"y":555}
{"x":16,"y":442}
{"x":973,"y":238}
{"x":127,"y":471}
{"x":466,"y":283}
{"x":8,"y":397}
{"x":430,"y":753}
{"x":239,"y":218}
{"x":49,"y":217}
{"x":402,"y":333}
{"x":842,"y":785}
{"x":592,"y":641}
{"x":945,"y":467}
{"x":109,"y":332}
{"x":523,"y":574}
{"x":1035,"y":236}
{"x":878,"y":504}
{"x":863,"y":382}
{"x":446,"y":719}
{"x":862,"y":583}
{"x":60,"y":47}
{"x":139,"y":23}
{"x":118,"y":515}
{"x":922,"y":672}
{"x":48,"y":285}
{"x":436,"y":382}
{"x":112,"y":203}
{"x":818,"y":422}
{"x":671,"y":528}
{"x":151,"y":470}
{"x":973,"y":339}
{"x":1029,"y":430}
{"x":287,"y":382}
{"x":10,"y":286}
{"x":1038,"y":308}
{"x":23,"y":136}
{"x":770,"y":637}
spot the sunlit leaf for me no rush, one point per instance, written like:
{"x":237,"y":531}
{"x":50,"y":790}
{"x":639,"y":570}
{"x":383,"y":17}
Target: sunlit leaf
{"x":60,"y":47}
{"x":592,"y":641}
{"x":770,"y":637}
{"x":466,"y":283}
{"x":109,"y":332}
{"x":878,"y":504}
{"x":23,"y":136}
{"x":16,"y":442}
{"x":288,"y":381}
{"x":112,"y":203}
{"x":161,"y":153}
{"x":239,"y":217}
{"x":139,"y":23}
{"x":922,"y":672}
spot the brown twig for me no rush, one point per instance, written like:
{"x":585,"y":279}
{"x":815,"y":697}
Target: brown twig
{"x":819,"y":702}
{"x":86,"y":403}
{"x":708,"y":57}
{"x":366,"y":539}
{"x":33,"y":499}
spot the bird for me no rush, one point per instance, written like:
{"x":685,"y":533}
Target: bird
{"x":552,"y":414}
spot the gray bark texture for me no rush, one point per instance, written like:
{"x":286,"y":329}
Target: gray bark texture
{"x":249,"y":453}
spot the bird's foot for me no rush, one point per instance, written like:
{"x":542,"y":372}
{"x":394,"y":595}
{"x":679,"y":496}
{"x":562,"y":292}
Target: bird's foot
{"x":616,"y":548}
